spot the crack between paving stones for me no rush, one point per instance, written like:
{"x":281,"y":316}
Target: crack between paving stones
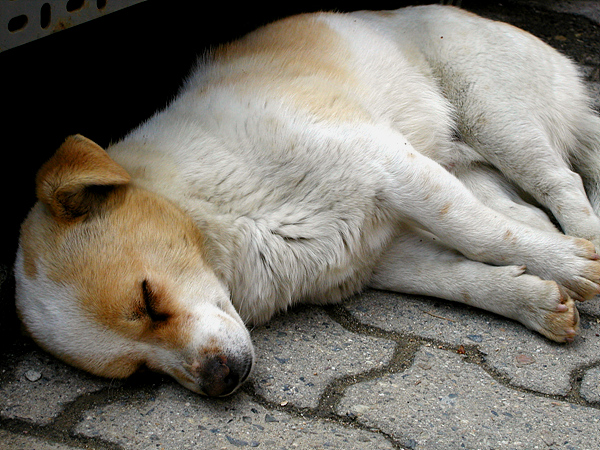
{"x":472,"y":355}
{"x":576,"y":380}
{"x":573,"y":396}
{"x":61,"y":428}
{"x":334,"y":392}
{"x":588,"y":317}
{"x":51,"y":434}
{"x":321,"y":413}
{"x":404,"y":353}
{"x":138,"y":388}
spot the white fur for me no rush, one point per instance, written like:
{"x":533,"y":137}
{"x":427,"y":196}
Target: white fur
{"x":62,"y":324}
{"x":242,"y":165}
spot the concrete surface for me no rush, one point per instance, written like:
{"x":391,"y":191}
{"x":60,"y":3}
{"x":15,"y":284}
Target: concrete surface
{"x":382,"y":371}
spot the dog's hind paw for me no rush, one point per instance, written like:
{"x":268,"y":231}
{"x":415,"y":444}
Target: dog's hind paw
{"x":562,"y":323}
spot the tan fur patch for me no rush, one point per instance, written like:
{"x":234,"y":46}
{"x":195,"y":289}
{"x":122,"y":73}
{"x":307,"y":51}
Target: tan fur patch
{"x":107,"y":256}
{"x":445,"y":209}
{"x":62,"y":183}
{"x":144,"y":237}
{"x":29,"y":245}
{"x":300,"y":58}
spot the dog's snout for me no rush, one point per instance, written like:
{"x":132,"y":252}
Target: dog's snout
{"x":221,"y":375}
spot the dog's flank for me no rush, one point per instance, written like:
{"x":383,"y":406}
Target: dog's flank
{"x":415,"y":150}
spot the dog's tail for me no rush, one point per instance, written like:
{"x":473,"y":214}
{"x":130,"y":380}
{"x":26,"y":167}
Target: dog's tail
{"x":586,"y":160}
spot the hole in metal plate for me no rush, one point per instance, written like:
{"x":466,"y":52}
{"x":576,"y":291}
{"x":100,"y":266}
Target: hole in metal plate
{"x":75,"y":5}
{"x":45,"y":15}
{"x":17,"y":23}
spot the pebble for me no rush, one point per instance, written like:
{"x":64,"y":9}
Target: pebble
{"x":524,"y":360}
{"x":33,"y":375}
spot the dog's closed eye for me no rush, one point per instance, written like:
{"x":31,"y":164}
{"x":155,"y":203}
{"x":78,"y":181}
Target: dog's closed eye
{"x":152,"y":304}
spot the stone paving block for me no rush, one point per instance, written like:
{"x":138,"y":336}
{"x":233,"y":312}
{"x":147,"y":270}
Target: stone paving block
{"x":300,"y":353}
{"x":528,"y":359}
{"x":591,"y":307}
{"x":11,"y":441}
{"x":443,"y":402}
{"x":41,"y":386}
{"x":590,"y":385}
{"x":586,"y":8}
{"x":178,"y":419}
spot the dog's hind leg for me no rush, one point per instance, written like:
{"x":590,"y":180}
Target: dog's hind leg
{"x":535,"y":138}
{"x":586,"y":158}
{"x":417,"y":263}
{"x":496,"y":192}
{"x":527,"y":113}
{"x":418,"y":190}
{"x":534,"y":164}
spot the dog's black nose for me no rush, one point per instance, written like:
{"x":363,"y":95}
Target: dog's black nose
{"x":221,"y":375}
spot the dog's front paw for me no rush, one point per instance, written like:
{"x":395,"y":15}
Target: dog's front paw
{"x":584,"y":280}
{"x":596,"y":242}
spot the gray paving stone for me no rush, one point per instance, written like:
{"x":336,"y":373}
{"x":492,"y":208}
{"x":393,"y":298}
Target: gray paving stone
{"x":12,"y":441}
{"x":587,"y":8}
{"x":590,"y":385}
{"x":526,"y":358}
{"x":443,"y":402}
{"x":178,"y":419}
{"x":300,"y":353}
{"x":41,"y":386}
{"x":591,"y":307}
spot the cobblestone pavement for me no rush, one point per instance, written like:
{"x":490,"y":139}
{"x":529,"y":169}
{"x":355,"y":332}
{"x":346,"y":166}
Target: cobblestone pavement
{"x":381,"y":371}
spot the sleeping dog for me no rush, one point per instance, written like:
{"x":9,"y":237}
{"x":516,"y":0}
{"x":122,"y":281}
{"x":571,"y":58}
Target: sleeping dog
{"x":424,"y":151}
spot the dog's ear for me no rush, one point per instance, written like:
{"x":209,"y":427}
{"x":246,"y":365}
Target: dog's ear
{"x":78,"y":175}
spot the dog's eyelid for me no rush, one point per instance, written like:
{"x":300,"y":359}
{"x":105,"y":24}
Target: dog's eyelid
{"x":151,"y":303}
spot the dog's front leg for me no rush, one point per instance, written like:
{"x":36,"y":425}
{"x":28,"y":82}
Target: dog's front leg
{"x":424,"y":192}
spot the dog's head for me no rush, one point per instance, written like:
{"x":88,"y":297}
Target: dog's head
{"x":111,"y":277}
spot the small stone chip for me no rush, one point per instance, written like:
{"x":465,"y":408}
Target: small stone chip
{"x":524,"y":360}
{"x":33,"y":375}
